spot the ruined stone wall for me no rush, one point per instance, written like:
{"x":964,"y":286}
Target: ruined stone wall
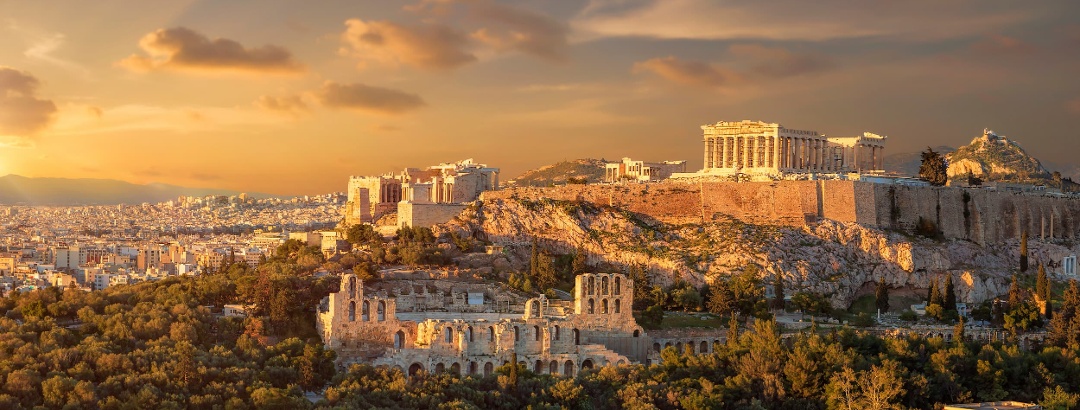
{"x":426,"y":215}
{"x":983,"y":216}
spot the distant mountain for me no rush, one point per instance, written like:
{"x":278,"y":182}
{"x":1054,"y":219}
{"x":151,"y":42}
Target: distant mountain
{"x":560,"y":172}
{"x":20,"y":190}
{"x":908,"y":163}
{"x":995,"y":158}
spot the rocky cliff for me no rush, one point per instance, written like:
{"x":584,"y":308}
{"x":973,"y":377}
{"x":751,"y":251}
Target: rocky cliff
{"x":995,"y":157}
{"x":828,"y":256}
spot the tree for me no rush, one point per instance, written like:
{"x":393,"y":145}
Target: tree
{"x":1065,"y":324}
{"x":973,"y":180}
{"x":578,"y":265}
{"x":1015,"y":293}
{"x":721,"y":300}
{"x":882,"y":296}
{"x":778,"y":292}
{"x":935,"y":294}
{"x":958,"y":331}
{"x":931,"y":293}
{"x":514,"y":369}
{"x":1042,"y":285}
{"x":934,"y":168}
{"x":1023,"y":251}
{"x":652,"y":317}
{"x":534,"y":259}
{"x":733,"y":331}
{"x":950,"y":295}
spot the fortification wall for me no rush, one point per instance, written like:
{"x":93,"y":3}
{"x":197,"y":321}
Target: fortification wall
{"x":981,"y":215}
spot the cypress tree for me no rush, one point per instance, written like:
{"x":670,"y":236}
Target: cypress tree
{"x":950,"y":294}
{"x":733,"y":330}
{"x":534,"y":260}
{"x":958,"y":332}
{"x":1014,"y":294}
{"x":513,"y":369}
{"x":1042,"y":288}
{"x":935,"y":295}
{"x":882,"y":296}
{"x":930,"y":292}
{"x":778,"y":292}
{"x":1024,"y":251}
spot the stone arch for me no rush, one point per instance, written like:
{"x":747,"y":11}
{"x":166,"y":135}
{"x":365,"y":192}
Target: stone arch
{"x":667,"y":345}
{"x":618,"y":306}
{"x":603,"y":306}
{"x":380,"y":311}
{"x":415,"y":368}
{"x":586,"y":364}
{"x":637,"y":332}
{"x":592,"y":306}
{"x":517,"y":333}
{"x":656,"y":347}
{"x":591,"y":284}
{"x":439,"y":368}
{"x":604,"y":285}
{"x":690,"y":347}
{"x":352,"y":311}
{"x":455,"y":369}
{"x":553,"y":368}
{"x":399,"y":339}
{"x":365,"y":311}
{"x":352,"y":287}
{"x":491,"y":333}
{"x":488,"y":368}
{"x":538,"y":367}
{"x":473,"y":367}
{"x":618,"y":285}
{"x":704,"y":347}
{"x":535,"y":308}
{"x":448,"y":335}
{"x":555,"y":333}
{"x":536,"y":329}
{"x":568,"y":368}
{"x":577,"y":337}
{"x":678,"y":347}
{"x":469,"y":334}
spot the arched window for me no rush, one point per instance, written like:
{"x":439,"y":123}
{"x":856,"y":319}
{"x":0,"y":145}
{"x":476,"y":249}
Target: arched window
{"x":556,"y":333}
{"x":618,"y":285}
{"x":538,"y":367}
{"x":488,"y":368}
{"x":577,"y":337}
{"x":448,"y":335}
{"x":352,"y":287}
{"x":553,"y":368}
{"x":473,"y":367}
{"x":592,"y":285}
{"x":568,"y":368}
{"x":536,"y":329}
{"x":380,"y":311}
{"x":352,"y":311}
{"x":491,"y":333}
{"x":365,"y":309}
{"x":604,"y":285}
{"x":592,"y":306}
{"x":399,"y":340}
{"x":704,"y":347}
{"x":439,"y":368}
{"x":415,"y":368}
{"x":468,"y":333}
{"x":637,"y":333}
{"x":517,"y":333}
{"x":656,"y":347}
{"x":618,"y":306}
{"x":536,"y":308}
{"x":455,"y":368}
{"x":587,"y":364}
{"x":603,"y":306}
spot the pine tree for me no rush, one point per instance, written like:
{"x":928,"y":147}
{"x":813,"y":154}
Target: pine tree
{"x":534,"y":259}
{"x":733,"y":330}
{"x":1024,"y":251}
{"x":778,"y":292}
{"x":950,"y":295}
{"x":934,"y":168}
{"x":882,"y":296}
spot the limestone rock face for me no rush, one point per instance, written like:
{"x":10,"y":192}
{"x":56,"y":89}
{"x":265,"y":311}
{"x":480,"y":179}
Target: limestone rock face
{"x":834,"y":258}
{"x":996,"y":156}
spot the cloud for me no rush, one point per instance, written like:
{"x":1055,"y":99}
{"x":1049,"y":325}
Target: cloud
{"x":778,"y":62}
{"x":752,"y":63}
{"x":289,"y":104}
{"x":22,"y":113}
{"x":686,"y":72}
{"x":1073,"y":106}
{"x":427,"y":46}
{"x":798,"y":20}
{"x":181,"y":48}
{"x":368,"y":98}
{"x":518,"y":29}
{"x":996,"y":45}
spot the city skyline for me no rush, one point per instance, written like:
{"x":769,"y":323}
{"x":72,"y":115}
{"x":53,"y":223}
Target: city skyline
{"x":280,"y":98}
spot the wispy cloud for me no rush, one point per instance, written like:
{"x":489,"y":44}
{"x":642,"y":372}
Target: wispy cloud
{"x":367,"y":98}
{"x":429,"y":46}
{"x":22,"y":112}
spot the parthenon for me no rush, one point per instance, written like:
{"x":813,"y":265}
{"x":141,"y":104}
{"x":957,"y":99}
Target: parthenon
{"x":769,"y":149}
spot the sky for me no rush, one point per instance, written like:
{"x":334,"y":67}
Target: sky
{"x":291,"y":97}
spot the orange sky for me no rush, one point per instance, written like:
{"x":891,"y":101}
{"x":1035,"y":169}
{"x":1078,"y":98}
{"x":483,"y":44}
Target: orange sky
{"x":284,"y":97}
